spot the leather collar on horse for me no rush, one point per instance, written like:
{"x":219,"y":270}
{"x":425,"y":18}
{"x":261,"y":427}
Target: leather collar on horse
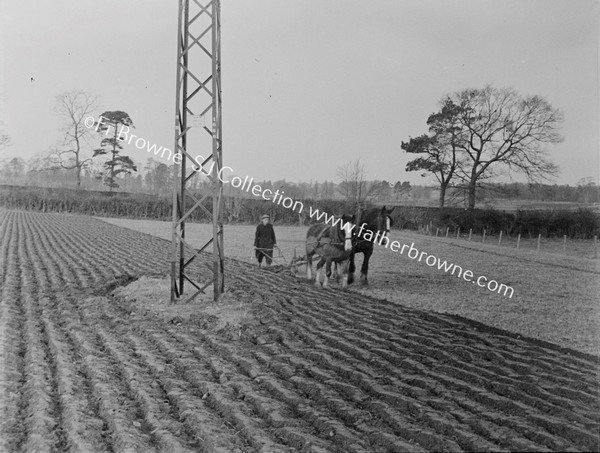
{"x":325,"y":238}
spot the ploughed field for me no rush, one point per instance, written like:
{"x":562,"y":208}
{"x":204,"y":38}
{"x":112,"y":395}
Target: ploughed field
{"x":85,"y":368}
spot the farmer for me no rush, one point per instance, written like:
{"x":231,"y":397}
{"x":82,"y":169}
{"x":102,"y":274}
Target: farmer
{"x":264,"y":241}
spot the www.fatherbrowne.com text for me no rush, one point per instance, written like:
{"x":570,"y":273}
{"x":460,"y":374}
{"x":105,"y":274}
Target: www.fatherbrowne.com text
{"x":432,"y":261}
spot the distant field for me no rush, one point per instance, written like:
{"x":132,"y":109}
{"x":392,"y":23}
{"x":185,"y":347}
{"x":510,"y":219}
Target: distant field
{"x":555,"y":297}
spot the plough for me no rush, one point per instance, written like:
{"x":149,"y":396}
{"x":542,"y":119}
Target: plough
{"x":296,"y":266}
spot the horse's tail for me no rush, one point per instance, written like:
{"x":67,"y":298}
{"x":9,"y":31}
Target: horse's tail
{"x":315,"y":232}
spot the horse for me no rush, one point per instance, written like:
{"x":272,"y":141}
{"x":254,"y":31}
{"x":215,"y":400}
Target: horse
{"x":332,"y":244}
{"x":370,"y":224}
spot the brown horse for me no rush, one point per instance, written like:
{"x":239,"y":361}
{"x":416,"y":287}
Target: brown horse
{"x":332,"y":244}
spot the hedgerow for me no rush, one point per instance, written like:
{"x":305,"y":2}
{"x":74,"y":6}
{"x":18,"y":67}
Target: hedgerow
{"x":581,"y":223}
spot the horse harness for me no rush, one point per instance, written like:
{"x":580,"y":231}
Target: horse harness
{"x":321,"y":236}
{"x":356,"y":240}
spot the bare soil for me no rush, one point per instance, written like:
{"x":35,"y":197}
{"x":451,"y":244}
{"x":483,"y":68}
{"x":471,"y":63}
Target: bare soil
{"x":555,"y":297}
{"x":91,"y":359}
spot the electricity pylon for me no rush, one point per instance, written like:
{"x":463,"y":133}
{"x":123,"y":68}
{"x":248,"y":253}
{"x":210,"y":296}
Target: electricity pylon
{"x":198,"y":144}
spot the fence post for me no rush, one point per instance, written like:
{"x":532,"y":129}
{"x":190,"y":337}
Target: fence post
{"x":483,"y":238}
{"x":595,"y":246}
{"x":500,"y":238}
{"x":447,"y":231}
{"x":437,"y":230}
{"x":539,"y":239}
{"x":565,"y":243}
{"x":458,"y":233}
{"x":470,"y":233}
{"x":518,"y":241}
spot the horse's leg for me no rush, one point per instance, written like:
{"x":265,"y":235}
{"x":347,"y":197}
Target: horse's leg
{"x":335,"y":273}
{"x":328,"y":266}
{"x":364,"y":271}
{"x":319,"y":267}
{"x":344,"y":270}
{"x":327,"y":272}
{"x":351,"y":269}
{"x":309,"y":265}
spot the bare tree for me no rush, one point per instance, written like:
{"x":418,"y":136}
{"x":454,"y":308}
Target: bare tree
{"x":504,"y":131}
{"x":158,"y":177}
{"x":344,"y":174}
{"x":13,"y":170}
{"x":353,"y":185}
{"x":74,"y":107}
{"x":587,"y":187}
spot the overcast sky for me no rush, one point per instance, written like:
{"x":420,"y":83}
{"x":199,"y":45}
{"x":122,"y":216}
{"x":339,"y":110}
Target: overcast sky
{"x":307,"y":84}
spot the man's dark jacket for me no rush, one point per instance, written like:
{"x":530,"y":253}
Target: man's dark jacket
{"x":265,"y":236}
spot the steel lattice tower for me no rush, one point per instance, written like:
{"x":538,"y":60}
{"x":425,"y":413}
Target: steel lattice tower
{"x":198,"y":139}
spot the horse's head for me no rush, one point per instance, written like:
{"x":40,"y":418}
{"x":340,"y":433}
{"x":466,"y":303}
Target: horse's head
{"x":376,"y":220}
{"x":384,"y":220}
{"x":347,"y":227}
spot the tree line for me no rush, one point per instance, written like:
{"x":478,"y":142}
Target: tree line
{"x":475,"y":137}
{"x":581,"y":223}
{"x":155,"y":177}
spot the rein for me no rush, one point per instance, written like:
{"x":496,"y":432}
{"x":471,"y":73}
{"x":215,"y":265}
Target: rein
{"x":330,"y":243}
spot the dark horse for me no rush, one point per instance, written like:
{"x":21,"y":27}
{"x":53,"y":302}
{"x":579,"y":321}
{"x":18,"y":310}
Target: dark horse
{"x":370,"y":226}
{"x":332,"y":244}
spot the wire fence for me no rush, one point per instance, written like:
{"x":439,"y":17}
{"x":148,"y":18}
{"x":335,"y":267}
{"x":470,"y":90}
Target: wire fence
{"x":584,"y":248}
